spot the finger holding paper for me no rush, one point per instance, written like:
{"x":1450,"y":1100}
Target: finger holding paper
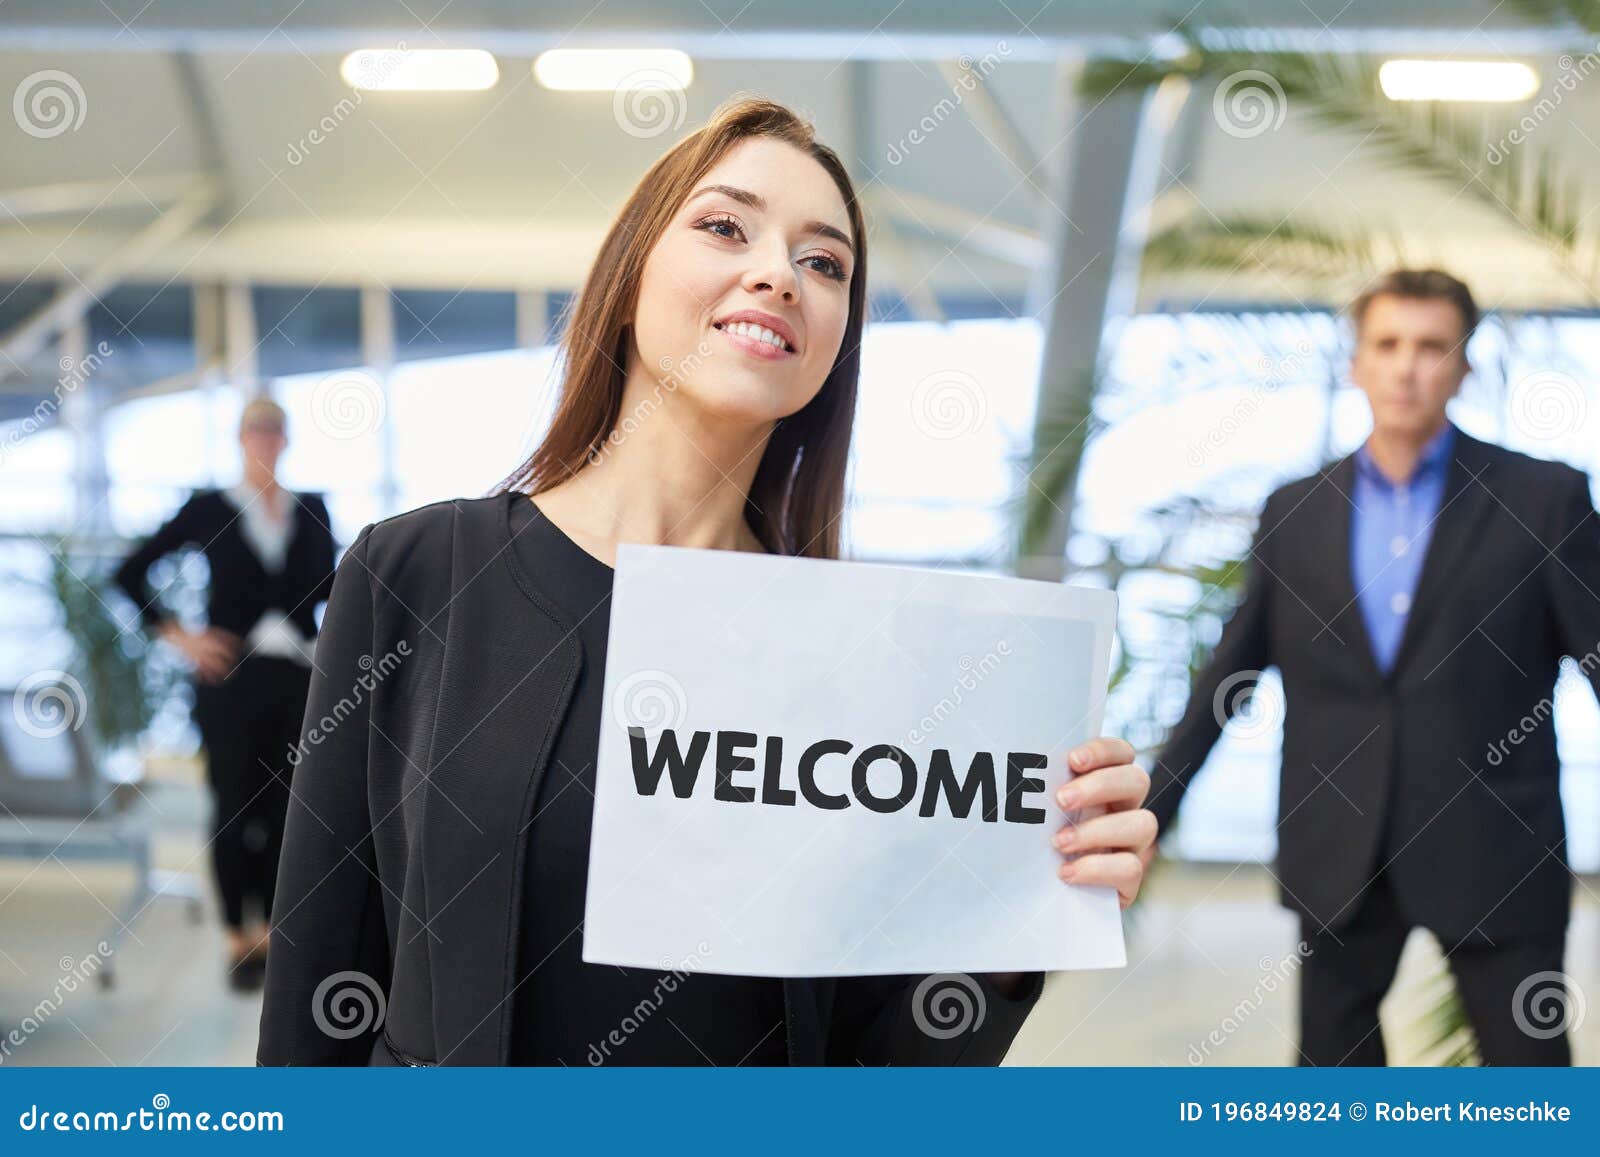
{"x":1109,"y":838}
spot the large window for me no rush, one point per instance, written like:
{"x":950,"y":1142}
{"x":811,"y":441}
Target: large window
{"x":1199,"y":416}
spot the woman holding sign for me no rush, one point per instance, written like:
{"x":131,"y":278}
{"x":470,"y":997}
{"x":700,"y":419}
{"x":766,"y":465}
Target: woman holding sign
{"x":433,"y":877}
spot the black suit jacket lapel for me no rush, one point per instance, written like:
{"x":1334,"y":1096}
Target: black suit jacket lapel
{"x":509,"y":666}
{"x":302,"y":531}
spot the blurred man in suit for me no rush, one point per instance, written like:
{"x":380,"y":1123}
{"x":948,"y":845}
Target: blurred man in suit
{"x":1417,"y":597}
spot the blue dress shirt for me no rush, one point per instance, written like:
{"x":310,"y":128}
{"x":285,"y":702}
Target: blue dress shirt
{"x":1389,"y":532}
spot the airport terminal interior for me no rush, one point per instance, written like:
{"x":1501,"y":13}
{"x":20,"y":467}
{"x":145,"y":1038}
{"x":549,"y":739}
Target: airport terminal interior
{"x":1090,"y":229}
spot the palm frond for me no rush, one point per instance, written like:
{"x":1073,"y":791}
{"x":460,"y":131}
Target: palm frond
{"x":1448,"y":1039}
{"x":1465,"y":150}
{"x":1255,"y":241}
{"x":1059,"y":439}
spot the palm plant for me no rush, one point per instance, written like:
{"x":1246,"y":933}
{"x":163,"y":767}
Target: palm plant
{"x":1463,"y":149}
{"x":125,"y":681}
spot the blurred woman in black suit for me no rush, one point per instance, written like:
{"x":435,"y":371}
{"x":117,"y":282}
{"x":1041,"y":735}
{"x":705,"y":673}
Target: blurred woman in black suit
{"x":271,"y":558}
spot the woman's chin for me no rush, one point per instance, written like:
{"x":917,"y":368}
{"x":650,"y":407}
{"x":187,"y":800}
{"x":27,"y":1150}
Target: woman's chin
{"x":746,"y":402}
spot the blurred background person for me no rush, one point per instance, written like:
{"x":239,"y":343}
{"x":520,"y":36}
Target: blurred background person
{"x":270,"y":552}
{"x":1417,"y":597}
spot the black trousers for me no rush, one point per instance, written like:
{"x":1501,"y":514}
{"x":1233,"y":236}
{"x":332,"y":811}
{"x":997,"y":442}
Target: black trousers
{"x":248,"y":724}
{"x":1513,"y":991}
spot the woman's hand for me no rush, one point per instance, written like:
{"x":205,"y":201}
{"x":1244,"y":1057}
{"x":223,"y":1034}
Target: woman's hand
{"x":1114,"y":839}
{"x":212,"y":652}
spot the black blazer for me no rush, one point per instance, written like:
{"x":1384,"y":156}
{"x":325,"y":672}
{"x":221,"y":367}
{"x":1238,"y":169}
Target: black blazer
{"x":442,"y":675}
{"x":240,"y":589}
{"x":1414,"y":772}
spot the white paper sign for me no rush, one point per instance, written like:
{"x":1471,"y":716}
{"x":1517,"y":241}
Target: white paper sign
{"x":890,"y":741}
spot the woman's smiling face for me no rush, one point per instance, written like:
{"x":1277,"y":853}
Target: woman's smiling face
{"x":743,"y":301}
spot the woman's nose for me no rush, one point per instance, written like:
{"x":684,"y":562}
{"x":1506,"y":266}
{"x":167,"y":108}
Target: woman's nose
{"x":774,"y":274}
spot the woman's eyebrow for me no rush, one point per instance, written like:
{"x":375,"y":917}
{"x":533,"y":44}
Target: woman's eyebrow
{"x":759,"y":203}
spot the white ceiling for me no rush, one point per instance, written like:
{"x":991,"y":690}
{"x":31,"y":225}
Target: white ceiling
{"x":512,"y":187}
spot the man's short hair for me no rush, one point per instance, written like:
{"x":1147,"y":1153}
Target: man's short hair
{"x":1431,"y":284}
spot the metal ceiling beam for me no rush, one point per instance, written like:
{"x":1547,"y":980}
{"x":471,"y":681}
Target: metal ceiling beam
{"x":975,"y":231}
{"x":892,"y":250}
{"x":996,"y":125}
{"x":93,"y":196}
{"x":31,"y":337}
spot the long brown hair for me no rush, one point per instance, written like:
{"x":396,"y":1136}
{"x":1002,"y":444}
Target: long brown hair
{"x":797,"y":496}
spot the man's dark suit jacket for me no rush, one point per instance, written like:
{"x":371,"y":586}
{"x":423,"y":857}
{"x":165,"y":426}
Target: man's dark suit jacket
{"x":405,"y":840}
{"x":1443,"y":772}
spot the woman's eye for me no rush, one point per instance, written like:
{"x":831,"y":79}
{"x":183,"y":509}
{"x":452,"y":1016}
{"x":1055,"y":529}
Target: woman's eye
{"x":721,"y":226}
{"x":826,"y":266}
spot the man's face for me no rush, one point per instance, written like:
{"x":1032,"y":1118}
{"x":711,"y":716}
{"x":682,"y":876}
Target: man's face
{"x":1410,"y":361}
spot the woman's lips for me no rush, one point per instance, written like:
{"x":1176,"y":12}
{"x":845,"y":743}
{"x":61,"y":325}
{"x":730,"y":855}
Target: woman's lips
{"x":755,"y":346}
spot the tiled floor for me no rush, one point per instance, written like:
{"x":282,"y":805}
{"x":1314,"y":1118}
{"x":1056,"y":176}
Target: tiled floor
{"x":1207,"y":981}
{"x":1210,"y":981}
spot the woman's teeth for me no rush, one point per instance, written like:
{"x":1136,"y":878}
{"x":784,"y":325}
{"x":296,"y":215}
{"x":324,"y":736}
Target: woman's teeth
{"x":759,"y":332}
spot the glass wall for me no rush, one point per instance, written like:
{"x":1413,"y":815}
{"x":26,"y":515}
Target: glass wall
{"x":1198,"y":417}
